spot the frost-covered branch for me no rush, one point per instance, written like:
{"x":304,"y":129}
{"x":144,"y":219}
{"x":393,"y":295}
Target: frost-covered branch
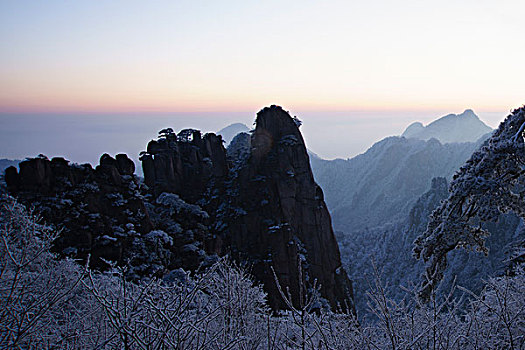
{"x":490,"y":183}
{"x":51,"y":303}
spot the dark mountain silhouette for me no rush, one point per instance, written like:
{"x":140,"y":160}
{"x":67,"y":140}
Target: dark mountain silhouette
{"x":258,"y":204}
{"x":266,"y":207}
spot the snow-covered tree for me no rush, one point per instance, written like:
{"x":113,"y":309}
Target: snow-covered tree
{"x":49,"y":303}
{"x":297,"y":121}
{"x":491,"y":182}
{"x":41,"y":299}
{"x":52,"y":303}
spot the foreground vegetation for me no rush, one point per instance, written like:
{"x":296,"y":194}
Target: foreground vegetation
{"x":50,"y":303}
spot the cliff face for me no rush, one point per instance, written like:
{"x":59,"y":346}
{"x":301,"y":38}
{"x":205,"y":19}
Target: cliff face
{"x":286,"y":221}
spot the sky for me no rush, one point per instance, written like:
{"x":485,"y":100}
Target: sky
{"x":361,"y":69}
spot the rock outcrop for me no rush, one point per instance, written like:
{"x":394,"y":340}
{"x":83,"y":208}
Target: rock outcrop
{"x":99,"y":210}
{"x":266,"y":209}
{"x":257,"y":203}
{"x":183,"y":164}
{"x":286,"y":226}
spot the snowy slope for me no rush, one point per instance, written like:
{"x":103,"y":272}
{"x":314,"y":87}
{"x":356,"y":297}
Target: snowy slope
{"x":381,"y":185}
{"x":390,"y":246}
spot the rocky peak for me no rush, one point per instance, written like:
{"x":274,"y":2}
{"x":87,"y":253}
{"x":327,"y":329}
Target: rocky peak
{"x":266,"y":209}
{"x":468,"y":113}
{"x":273,"y":125}
{"x":285,"y":226}
{"x":413,"y":129}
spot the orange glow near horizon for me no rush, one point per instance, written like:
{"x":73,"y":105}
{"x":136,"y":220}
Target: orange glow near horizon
{"x":169,"y":56}
{"x":120,"y":98}
{"x":81,"y":106}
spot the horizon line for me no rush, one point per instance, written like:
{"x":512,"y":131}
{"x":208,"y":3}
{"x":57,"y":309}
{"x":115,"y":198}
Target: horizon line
{"x":158,"y":111}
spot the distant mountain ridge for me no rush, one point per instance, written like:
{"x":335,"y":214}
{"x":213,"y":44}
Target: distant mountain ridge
{"x":381,"y":185}
{"x":232,"y":130}
{"x":464,"y":127}
{"x":380,"y":201}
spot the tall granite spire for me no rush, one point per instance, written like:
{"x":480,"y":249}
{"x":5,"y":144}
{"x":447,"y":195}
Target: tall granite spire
{"x":286,"y":221}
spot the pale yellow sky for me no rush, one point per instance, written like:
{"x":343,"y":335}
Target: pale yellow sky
{"x":129,"y":56}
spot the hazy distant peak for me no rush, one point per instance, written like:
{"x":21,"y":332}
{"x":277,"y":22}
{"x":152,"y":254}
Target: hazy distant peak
{"x":464,"y":127}
{"x":235,"y":125}
{"x":230,"y":131}
{"x":413,"y":129}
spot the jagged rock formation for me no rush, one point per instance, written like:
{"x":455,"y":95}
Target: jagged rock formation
{"x":286,"y":222}
{"x":103,"y":214}
{"x":266,"y":208}
{"x":258,"y":203}
{"x":99,"y":209}
{"x":183,"y":164}
{"x":464,"y":127}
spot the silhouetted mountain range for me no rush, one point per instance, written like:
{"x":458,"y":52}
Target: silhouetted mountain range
{"x":260,"y":206}
{"x":381,"y":185}
{"x":258,"y":203}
